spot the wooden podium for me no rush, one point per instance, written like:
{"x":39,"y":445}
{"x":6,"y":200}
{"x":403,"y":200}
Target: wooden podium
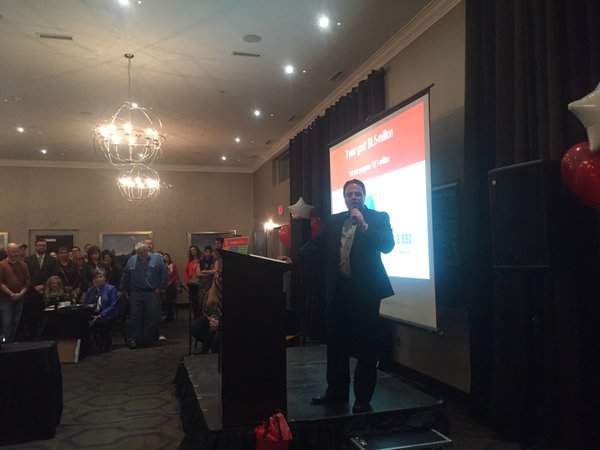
{"x":253,"y":351}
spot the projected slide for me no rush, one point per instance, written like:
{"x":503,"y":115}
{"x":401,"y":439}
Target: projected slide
{"x":391,"y":156}
{"x":396,"y":182}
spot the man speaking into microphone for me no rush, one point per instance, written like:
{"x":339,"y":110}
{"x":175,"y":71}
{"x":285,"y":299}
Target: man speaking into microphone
{"x":351,"y":243}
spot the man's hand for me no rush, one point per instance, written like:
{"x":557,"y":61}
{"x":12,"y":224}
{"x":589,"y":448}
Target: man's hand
{"x":94,"y":318}
{"x":213,"y":323}
{"x":40,"y":288}
{"x":285,"y":259}
{"x":358,"y":218}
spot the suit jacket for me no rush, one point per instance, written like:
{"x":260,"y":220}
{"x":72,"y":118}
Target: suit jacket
{"x":366,"y":266}
{"x":39,"y":275}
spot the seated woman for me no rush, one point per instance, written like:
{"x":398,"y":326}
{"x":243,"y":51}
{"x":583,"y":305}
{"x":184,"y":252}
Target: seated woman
{"x":104,"y":298}
{"x":54,"y":292}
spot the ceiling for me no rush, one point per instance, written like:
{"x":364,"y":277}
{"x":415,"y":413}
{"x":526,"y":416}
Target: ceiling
{"x":184,"y":68}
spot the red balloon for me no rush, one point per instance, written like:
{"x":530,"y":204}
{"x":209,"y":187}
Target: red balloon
{"x":285,"y":235}
{"x":316,"y":225}
{"x":580,"y":171}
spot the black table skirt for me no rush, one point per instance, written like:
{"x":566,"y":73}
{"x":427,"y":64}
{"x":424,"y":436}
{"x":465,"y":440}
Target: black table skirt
{"x":31,"y":401}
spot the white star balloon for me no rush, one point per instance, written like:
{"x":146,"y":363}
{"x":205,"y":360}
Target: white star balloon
{"x":301,"y":209}
{"x":587,"y":110}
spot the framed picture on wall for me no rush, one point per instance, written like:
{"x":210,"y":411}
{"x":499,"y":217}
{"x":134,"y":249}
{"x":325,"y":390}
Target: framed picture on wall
{"x":203,"y":238}
{"x":54,"y":239}
{"x":3,"y":240}
{"x":121,"y":244}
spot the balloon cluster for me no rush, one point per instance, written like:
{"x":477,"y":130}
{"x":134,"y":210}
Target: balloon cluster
{"x":580,"y":165}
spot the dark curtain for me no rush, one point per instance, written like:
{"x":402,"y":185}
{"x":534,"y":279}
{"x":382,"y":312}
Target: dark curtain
{"x":309,"y":179}
{"x":533,"y":344}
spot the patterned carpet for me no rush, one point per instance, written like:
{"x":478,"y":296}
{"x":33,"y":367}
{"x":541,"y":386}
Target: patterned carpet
{"x":123,"y":399}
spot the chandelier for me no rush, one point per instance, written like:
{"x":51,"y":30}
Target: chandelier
{"x":132,"y":135}
{"x":139,"y":183}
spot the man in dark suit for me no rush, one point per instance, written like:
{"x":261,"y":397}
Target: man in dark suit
{"x":355,"y":282}
{"x":41,"y":267}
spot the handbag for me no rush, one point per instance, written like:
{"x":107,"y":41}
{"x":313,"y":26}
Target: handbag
{"x":273,"y":433}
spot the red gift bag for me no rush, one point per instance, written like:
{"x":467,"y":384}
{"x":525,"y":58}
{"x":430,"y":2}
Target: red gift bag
{"x":273,"y":434}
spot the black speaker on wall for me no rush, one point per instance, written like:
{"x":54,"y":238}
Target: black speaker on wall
{"x":526,"y":208}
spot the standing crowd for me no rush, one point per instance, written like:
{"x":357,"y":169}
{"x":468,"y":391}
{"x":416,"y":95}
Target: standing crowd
{"x":144,"y":289}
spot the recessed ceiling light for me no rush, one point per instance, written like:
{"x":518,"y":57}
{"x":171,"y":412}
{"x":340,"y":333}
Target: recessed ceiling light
{"x":289,"y":69}
{"x":124,"y":2}
{"x":44,"y":151}
{"x":323,"y":21}
{"x":339,"y":24}
{"x":237,"y":139}
{"x":224,"y":158}
{"x":303,"y":70}
{"x":251,"y":38}
{"x":257,"y":112}
{"x":20,"y":129}
{"x":272,"y":115}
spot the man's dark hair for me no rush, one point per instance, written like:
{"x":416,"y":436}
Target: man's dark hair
{"x":219,"y":239}
{"x":208,"y":247}
{"x":40,"y":240}
{"x":359,"y":183}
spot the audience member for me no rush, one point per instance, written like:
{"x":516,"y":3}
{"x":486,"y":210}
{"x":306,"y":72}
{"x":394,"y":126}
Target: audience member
{"x":79,"y":265}
{"x":113,"y":273}
{"x":104,"y":297}
{"x":145,"y":278}
{"x":191,"y":279}
{"x":14,"y":282}
{"x":205,"y":272}
{"x":217,"y":254}
{"x":206,"y":328}
{"x":172,"y":287}
{"x":22,"y":252}
{"x":163,"y":298}
{"x":92,"y":263}
{"x":76,"y":251}
{"x":54,"y":288}
{"x":68,"y":273}
{"x":41,"y":267}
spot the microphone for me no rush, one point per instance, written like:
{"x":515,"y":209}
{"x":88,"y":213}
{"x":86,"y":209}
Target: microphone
{"x":353,"y":218}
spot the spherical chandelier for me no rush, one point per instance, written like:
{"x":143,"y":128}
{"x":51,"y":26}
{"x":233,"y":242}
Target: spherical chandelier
{"x":132,"y":135}
{"x":139,"y":184}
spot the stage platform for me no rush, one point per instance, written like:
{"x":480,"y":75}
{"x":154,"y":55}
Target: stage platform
{"x":396,"y":406}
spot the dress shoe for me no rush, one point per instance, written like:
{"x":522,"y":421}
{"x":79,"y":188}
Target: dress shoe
{"x":360,"y":407}
{"x":327,"y":399}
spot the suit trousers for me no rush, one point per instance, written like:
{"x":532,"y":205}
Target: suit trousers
{"x":352,"y":320}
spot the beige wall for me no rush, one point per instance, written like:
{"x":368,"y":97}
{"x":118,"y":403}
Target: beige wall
{"x":266,"y":200}
{"x":87,"y":200}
